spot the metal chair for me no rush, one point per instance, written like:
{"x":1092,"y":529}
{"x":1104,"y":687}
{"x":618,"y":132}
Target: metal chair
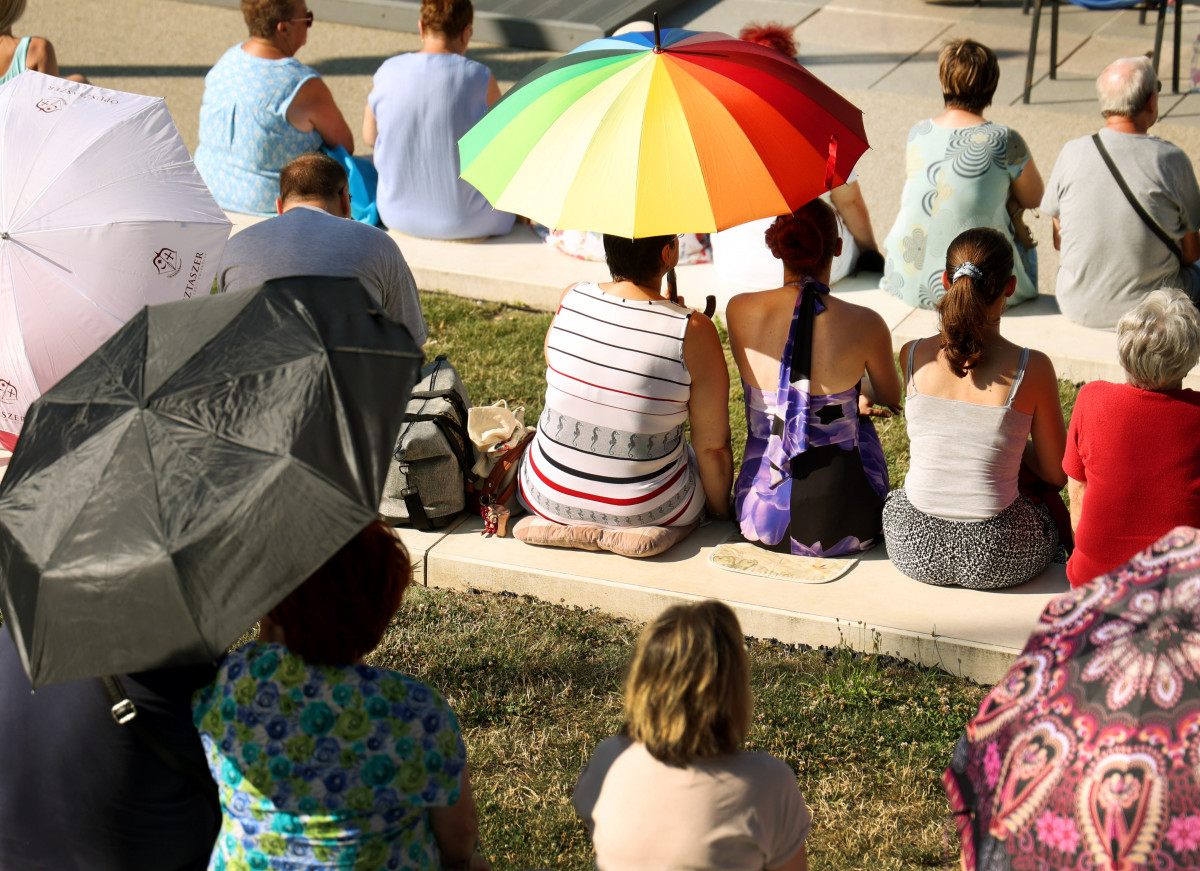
{"x":1160,"y":5}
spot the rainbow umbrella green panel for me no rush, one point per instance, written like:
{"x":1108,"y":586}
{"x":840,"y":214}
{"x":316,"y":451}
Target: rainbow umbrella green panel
{"x":700,"y":134}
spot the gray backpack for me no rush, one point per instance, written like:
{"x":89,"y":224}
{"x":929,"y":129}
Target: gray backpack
{"x":426,"y":483}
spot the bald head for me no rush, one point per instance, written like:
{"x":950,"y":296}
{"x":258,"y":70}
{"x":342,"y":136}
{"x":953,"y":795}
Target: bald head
{"x":1126,"y":87}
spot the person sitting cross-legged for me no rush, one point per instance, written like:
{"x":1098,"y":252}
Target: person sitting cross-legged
{"x":313,"y":236}
{"x":1136,"y":443}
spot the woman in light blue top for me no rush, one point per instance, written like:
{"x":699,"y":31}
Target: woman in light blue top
{"x":960,"y":172}
{"x":978,"y":408}
{"x":422,"y":103}
{"x":262,"y":108}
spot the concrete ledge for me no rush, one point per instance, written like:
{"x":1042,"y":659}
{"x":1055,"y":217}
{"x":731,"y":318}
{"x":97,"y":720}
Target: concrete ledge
{"x":518,"y":268}
{"x":872,"y":607}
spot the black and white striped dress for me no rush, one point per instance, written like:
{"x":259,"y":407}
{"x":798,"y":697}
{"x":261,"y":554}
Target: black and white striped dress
{"x":610,"y":448}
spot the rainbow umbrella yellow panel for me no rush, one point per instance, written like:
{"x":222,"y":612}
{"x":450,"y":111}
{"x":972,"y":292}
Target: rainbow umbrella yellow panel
{"x":701,"y":133}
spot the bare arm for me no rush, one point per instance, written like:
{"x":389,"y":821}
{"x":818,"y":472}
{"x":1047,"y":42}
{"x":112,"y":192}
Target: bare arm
{"x":798,"y":862}
{"x":849,"y":202}
{"x":456,"y":828}
{"x":708,"y":412}
{"x":1057,"y":235}
{"x":370,"y":129}
{"x":1028,"y":187}
{"x":41,"y":57}
{"x":1190,"y":246}
{"x":1075,"y":491}
{"x":313,"y":108}
{"x":882,"y":378}
{"x":1044,"y":454}
{"x":493,"y":92}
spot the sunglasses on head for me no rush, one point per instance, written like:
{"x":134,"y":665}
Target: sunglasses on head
{"x":307,"y":19}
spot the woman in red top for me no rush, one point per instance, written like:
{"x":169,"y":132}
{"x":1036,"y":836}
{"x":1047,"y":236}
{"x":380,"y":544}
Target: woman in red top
{"x":1133,"y":450}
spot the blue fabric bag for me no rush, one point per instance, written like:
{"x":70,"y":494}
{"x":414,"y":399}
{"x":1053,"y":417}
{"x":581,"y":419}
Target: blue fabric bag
{"x":363,"y":179}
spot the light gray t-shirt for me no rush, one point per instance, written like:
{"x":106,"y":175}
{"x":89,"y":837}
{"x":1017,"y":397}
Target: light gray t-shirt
{"x":1110,"y":258}
{"x":742,"y":812}
{"x":306,"y":240}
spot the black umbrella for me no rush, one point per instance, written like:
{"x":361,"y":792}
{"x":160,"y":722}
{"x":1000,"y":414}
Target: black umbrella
{"x":194,"y":470}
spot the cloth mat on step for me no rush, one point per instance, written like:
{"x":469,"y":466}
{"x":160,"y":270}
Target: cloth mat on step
{"x":738,"y":555}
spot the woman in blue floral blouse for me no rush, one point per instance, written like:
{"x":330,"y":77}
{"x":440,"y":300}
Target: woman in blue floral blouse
{"x":322,"y":761}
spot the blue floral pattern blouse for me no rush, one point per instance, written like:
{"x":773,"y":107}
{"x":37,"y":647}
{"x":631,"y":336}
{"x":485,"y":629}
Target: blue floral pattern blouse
{"x":325,"y":767}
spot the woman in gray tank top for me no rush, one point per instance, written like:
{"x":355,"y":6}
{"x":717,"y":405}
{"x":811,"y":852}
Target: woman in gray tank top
{"x":974,"y":399}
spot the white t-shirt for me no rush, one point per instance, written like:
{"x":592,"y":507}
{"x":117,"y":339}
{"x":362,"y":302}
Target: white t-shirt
{"x":736,"y":813}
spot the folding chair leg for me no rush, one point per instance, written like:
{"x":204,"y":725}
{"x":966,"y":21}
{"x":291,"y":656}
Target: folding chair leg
{"x":1178,"y":41}
{"x":1158,"y":33}
{"x":1024,"y":7}
{"x":1033,"y":38}
{"x":1053,"y":39}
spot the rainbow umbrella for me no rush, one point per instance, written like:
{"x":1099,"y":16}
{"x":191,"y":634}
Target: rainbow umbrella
{"x":648,"y":134}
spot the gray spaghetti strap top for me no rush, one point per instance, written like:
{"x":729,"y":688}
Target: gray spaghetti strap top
{"x":964,"y":457}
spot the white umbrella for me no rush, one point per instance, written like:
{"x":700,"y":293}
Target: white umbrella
{"x":101,"y":213}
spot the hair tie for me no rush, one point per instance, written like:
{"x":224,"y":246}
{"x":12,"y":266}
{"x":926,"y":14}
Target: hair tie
{"x":967,"y":268}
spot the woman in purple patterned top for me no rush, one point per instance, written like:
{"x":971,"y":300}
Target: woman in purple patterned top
{"x":814,"y":476}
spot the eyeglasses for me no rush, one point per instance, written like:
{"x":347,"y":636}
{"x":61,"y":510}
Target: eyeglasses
{"x":307,"y":19}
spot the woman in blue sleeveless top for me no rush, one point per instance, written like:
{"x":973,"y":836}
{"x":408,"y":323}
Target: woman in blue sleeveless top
{"x":262,"y":108}
{"x":814,"y":476}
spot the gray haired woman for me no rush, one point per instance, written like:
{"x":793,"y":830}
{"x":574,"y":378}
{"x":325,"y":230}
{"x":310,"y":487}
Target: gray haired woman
{"x":1136,"y":443}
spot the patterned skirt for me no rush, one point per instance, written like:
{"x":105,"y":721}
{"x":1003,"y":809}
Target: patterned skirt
{"x":1003,"y":551}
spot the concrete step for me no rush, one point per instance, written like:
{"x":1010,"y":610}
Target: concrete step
{"x":871,"y":608}
{"x":519,"y":268}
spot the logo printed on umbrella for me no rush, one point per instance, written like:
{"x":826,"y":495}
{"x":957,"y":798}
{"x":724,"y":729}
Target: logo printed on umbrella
{"x":166,"y":261}
{"x":8,"y":391}
{"x":51,"y":104}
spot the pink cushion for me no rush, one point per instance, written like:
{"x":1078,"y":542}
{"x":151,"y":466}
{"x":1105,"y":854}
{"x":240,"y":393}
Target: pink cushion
{"x":639,"y":541}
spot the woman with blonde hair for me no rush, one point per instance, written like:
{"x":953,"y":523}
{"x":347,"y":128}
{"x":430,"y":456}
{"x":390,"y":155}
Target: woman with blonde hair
{"x":675,"y":789}
{"x":962,"y":171}
{"x":974,"y":401}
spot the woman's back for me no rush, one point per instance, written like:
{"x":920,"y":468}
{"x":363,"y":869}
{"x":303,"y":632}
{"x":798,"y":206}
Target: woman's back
{"x":739,"y":811}
{"x":423,"y":104}
{"x":335,"y":763}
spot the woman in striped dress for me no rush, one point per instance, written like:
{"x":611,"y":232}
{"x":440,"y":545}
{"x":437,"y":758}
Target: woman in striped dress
{"x":625,"y":370}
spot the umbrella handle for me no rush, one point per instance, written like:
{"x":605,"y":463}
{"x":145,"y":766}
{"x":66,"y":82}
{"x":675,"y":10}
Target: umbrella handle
{"x":672,"y":286}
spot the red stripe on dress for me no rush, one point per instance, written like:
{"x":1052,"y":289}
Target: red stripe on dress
{"x":594,"y":498}
{"x":614,"y":390}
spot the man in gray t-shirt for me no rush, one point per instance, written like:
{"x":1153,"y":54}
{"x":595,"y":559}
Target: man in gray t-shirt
{"x":1110,"y":257}
{"x":313,"y":235}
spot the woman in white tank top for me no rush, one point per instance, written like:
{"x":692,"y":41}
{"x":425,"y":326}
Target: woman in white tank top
{"x":974,"y":399}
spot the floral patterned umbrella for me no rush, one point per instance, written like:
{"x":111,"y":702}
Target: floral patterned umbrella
{"x":1087,"y":754}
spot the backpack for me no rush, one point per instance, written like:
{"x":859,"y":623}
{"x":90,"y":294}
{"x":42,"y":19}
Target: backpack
{"x":426,"y":483}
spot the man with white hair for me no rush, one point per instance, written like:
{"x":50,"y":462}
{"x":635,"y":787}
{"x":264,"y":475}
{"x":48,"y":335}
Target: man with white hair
{"x":1125,"y":204}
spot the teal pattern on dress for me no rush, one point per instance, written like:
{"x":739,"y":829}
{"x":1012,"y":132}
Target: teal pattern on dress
{"x":325,"y":767}
{"x":956,"y":179}
{"x":245,"y":136}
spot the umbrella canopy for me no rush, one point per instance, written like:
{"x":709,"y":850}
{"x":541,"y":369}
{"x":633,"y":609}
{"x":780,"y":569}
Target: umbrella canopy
{"x":194,"y":470}
{"x":101,"y":213}
{"x":1087,"y":754}
{"x":702,"y":133}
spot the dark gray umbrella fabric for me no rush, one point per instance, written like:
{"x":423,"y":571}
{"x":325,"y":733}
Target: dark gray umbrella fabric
{"x":189,"y":474}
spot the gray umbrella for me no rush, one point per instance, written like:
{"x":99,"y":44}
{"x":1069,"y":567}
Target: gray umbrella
{"x":194,"y":470}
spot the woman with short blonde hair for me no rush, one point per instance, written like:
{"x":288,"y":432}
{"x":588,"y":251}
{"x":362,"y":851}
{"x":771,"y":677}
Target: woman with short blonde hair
{"x":1136,"y":443}
{"x":675,"y":789}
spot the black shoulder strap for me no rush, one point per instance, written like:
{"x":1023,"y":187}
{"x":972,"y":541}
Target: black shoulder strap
{"x":1137,"y":207}
{"x":126,"y":714}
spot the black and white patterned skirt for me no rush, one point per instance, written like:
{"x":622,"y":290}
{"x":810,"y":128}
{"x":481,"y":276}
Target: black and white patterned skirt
{"x":1003,"y":551}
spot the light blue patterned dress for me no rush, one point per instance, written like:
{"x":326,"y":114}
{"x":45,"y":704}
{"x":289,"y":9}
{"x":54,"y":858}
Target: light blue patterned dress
{"x":245,"y":136}
{"x":955,"y":179}
{"x":325,"y":767}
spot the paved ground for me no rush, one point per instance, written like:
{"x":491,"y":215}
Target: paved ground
{"x":882,"y":54}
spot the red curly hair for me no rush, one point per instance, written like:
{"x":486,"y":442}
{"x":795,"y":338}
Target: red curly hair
{"x":806,"y":239}
{"x":340,"y":613}
{"x":772,"y":35}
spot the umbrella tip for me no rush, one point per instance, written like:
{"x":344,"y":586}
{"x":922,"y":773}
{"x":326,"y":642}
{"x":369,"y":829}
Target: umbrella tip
{"x":657,"y":38}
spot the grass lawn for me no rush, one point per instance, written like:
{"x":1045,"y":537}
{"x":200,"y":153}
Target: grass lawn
{"x":537,"y":686}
